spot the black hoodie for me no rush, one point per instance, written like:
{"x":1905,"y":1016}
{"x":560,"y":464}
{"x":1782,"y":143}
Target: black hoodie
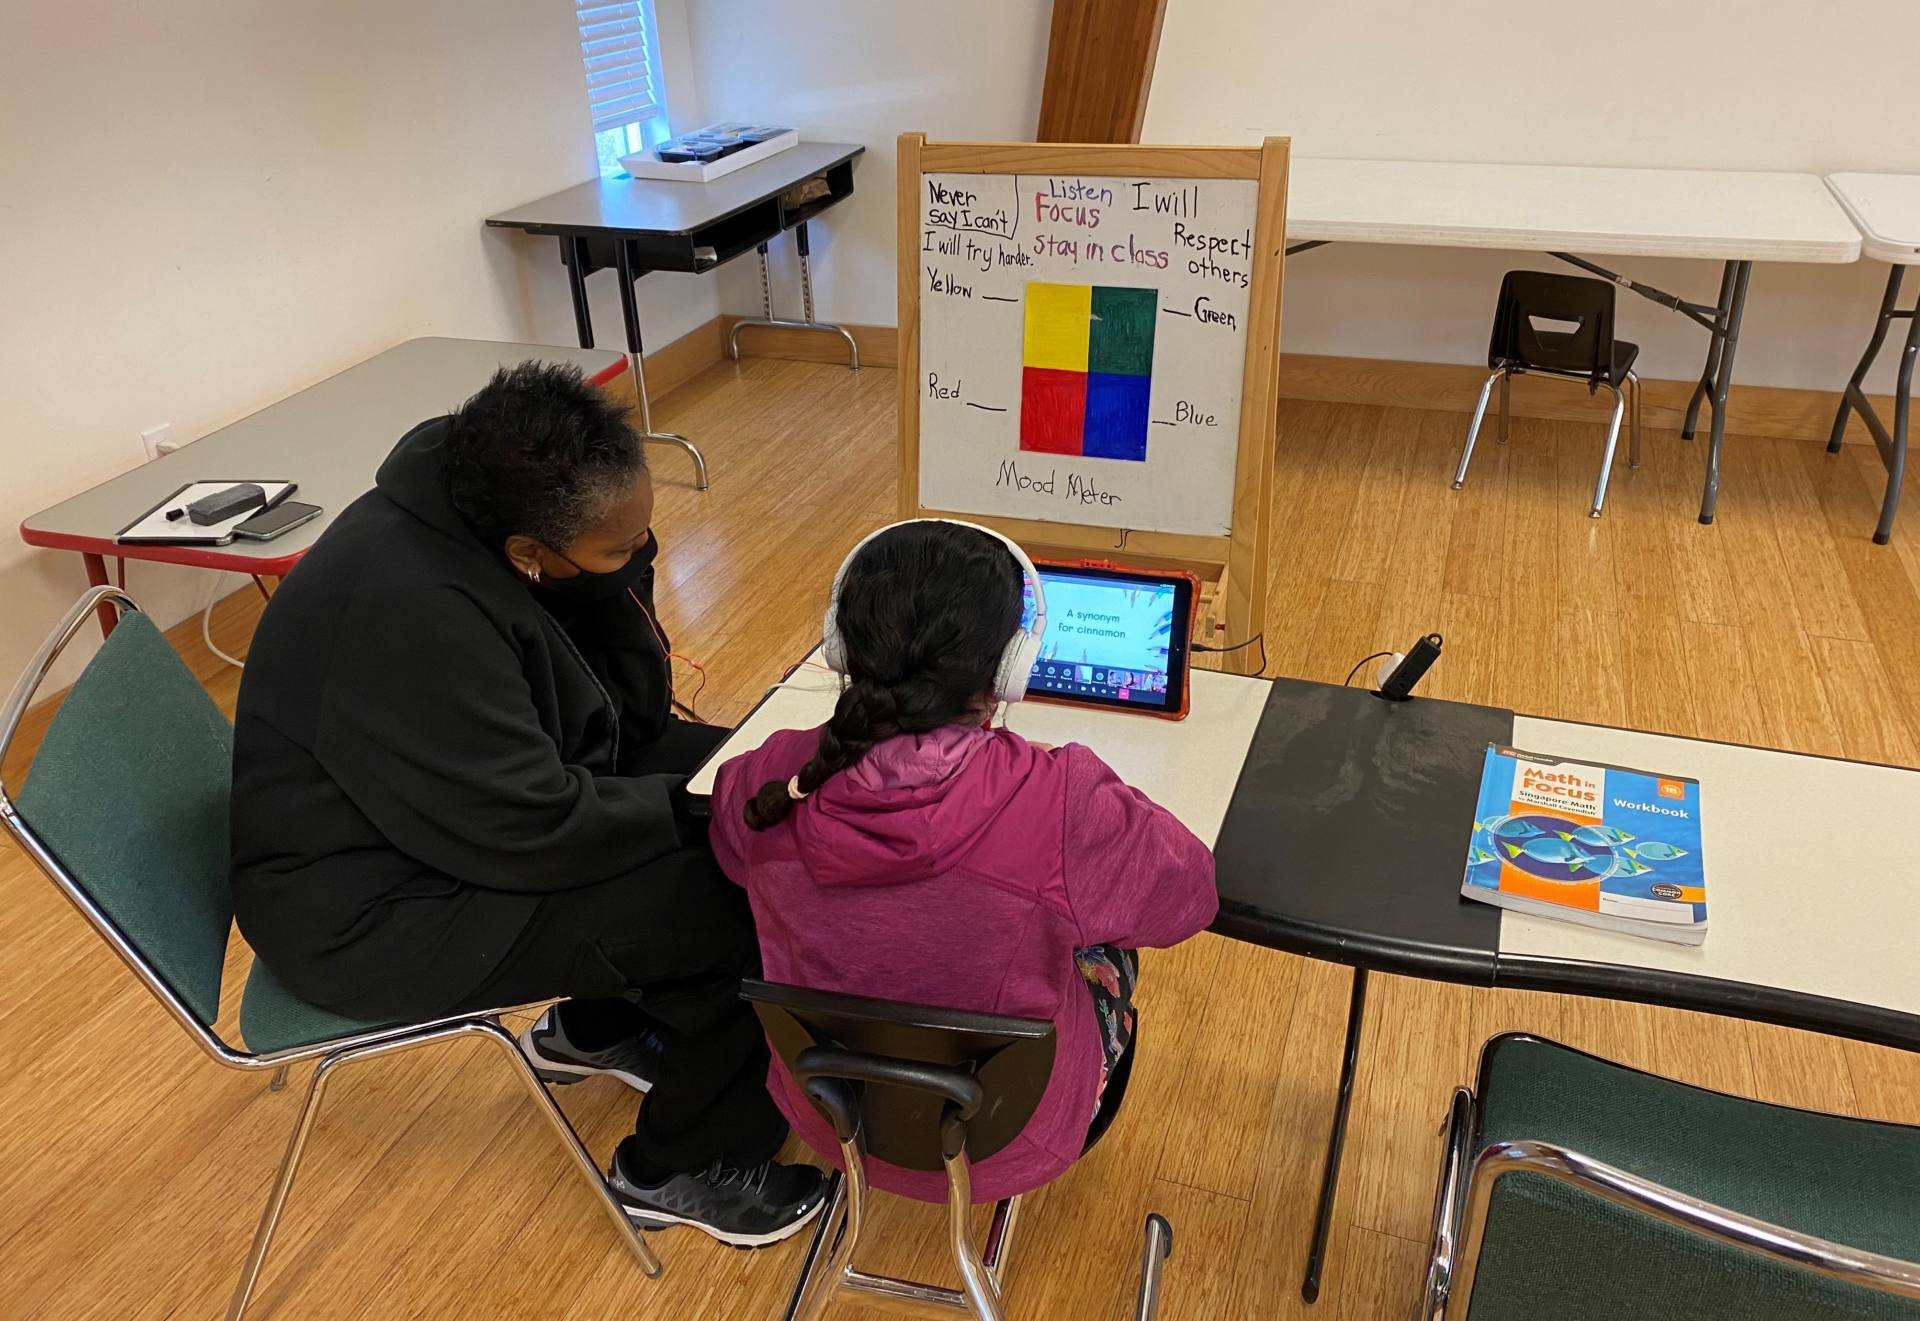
{"x":424,"y":745}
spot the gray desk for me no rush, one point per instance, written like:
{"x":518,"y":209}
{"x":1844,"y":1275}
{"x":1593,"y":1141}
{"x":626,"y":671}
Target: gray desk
{"x":633,"y":226}
{"x":330,"y":438}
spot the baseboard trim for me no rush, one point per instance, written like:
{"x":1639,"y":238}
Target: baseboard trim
{"x":1752,"y":410}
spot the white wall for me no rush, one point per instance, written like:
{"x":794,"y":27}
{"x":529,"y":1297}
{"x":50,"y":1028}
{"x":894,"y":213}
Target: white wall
{"x":864,"y":71}
{"x":206,"y":205}
{"x":1768,"y":85}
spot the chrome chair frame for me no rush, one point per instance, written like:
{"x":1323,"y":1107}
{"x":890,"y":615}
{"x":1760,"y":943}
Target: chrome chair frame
{"x":331,"y":1054}
{"x":828,"y":1266}
{"x":834,"y":1080}
{"x":1503,"y":375}
{"x":1459,"y":1223}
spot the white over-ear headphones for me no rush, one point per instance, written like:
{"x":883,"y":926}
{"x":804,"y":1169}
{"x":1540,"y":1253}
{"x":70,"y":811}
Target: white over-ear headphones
{"x":1023,"y":648}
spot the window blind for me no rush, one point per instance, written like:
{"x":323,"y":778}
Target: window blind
{"x":615,"y":44}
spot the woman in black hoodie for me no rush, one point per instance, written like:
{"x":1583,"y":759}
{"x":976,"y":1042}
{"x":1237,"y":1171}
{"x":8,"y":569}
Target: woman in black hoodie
{"x":458,"y":784}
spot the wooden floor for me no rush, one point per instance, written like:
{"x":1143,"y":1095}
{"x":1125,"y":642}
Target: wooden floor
{"x":132,"y":1169}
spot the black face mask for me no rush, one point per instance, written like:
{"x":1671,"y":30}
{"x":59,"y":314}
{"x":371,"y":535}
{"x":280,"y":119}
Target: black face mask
{"x":588,"y":587}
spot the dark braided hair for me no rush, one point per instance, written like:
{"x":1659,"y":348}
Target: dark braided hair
{"x":926,"y":610}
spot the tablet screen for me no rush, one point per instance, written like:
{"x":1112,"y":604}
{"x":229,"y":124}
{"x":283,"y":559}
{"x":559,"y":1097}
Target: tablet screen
{"x":1113,"y":639}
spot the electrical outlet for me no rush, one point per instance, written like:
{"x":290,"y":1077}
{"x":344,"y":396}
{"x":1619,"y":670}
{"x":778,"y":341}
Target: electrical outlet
{"x":155,"y":441}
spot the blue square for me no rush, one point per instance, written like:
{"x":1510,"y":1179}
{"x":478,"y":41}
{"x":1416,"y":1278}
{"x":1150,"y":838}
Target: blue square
{"x":1116,"y":426}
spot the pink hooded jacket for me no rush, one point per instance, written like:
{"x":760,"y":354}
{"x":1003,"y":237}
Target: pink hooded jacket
{"x":962,"y":868}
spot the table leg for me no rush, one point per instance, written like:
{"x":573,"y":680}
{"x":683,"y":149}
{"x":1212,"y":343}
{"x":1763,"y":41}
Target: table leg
{"x":97,"y":577}
{"x":1723,"y":378}
{"x":1892,"y":444}
{"x":573,"y":254}
{"x":1713,"y":356}
{"x":1879,"y":337}
{"x":1896,"y":455}
{"x":1336,"y":1140}
{"x":803,"y":245}
{"x":637,"y":363}
{"x":766,"y":308}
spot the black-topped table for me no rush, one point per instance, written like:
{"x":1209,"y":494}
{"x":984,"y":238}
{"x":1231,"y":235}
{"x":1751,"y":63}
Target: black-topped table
{"x":1340,"y":824}
{"x":634,"y":226}
{"x":1348,"y":830}
{"x":1349,"y":824}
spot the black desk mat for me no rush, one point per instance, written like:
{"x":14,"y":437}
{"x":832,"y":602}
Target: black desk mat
{"x":1347,"y":834}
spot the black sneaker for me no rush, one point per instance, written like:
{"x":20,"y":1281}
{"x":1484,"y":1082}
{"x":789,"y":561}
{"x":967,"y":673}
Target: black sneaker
{"x":748,"y":1208}
{"x":634,"y":1061}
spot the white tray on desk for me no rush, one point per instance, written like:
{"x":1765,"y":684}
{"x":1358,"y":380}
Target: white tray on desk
{"x":645,"y":165}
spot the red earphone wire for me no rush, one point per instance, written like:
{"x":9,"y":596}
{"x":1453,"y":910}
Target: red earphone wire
{"x":693,"y":703}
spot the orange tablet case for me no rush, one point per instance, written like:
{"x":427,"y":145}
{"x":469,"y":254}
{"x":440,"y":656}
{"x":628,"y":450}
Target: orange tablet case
{"x":1186,"y":650}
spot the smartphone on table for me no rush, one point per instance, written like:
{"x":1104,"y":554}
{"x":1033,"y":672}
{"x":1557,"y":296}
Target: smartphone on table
{"x":270,"y":523}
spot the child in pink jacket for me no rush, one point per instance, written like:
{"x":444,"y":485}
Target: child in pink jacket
{"x":906,"y":851}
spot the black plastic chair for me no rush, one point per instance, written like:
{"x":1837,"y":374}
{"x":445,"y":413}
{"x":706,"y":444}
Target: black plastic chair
{"x":1588,"y":352}
{"x":924,"y":1088}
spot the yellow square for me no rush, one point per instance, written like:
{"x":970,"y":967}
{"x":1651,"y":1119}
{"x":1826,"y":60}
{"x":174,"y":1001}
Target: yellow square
{"x":1059,"y":321}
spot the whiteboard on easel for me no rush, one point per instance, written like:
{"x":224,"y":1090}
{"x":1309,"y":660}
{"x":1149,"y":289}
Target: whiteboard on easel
{"x":1082,"y":347}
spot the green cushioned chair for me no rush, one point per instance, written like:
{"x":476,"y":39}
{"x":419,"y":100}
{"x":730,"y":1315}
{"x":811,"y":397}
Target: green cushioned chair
{"x":125,"y":810}
{"x":1578,"y":1189}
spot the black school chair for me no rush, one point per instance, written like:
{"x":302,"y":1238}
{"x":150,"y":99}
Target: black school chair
{"x":1587,"y":352}
{"x":1582,"y":1190}
{"x":924,"y":1088}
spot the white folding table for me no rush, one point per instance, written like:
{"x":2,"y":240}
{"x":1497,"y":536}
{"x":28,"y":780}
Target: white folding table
{"x":1886,"y":208}
{"x":1187,"y":766}
{"x":1731,"y":216}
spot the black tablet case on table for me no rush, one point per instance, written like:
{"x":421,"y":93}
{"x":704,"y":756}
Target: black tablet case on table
{"x":1347,"y":834}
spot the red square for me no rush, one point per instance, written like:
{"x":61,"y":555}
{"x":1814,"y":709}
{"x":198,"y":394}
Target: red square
{"x":1053,"y":410}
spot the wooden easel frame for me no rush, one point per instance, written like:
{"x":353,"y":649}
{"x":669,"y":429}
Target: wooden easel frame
{"x":1235,"y":566}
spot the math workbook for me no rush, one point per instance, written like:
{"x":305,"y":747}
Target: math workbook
{"x":1600,"y":845}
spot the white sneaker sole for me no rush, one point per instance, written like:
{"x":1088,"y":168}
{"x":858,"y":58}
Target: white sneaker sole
{"x":651,"y":1220}
{"x":564,"y":1074}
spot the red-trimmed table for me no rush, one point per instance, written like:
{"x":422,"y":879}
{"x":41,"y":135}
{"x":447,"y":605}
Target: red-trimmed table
{"x":330,"y":438}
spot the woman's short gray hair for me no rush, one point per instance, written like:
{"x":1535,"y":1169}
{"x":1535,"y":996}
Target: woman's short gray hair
{"x":541,"y":453}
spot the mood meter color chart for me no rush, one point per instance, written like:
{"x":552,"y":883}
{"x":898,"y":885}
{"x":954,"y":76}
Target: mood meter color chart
{"x":1082,"y":341}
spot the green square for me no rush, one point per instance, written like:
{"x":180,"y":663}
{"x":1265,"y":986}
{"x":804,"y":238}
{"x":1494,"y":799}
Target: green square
{"x":1121,"y":343}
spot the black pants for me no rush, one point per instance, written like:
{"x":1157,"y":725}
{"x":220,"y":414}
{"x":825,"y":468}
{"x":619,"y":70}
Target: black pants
{"x":664,"y":950}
